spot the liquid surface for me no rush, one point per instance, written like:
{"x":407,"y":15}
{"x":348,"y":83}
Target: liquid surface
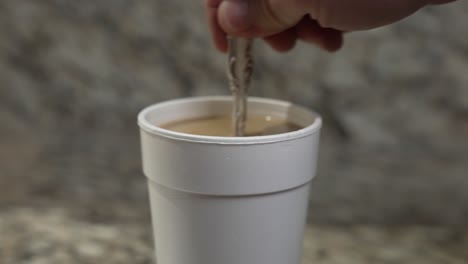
{"x":221,"y":126}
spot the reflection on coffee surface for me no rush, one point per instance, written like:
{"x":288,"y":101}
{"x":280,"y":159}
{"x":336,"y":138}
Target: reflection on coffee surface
{"x":221,"y":126}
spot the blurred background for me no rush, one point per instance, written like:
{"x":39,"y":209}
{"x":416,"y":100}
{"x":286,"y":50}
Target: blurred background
{"x":74,"y":75}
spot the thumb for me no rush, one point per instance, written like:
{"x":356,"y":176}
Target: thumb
{"x":258,"y":18}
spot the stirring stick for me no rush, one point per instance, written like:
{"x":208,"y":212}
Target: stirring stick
{"x":240,"y":65}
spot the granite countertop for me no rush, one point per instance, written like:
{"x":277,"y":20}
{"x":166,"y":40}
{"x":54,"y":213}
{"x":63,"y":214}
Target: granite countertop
{"x":55,"y":235}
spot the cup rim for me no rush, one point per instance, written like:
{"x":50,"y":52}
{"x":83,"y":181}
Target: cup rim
{"x":154,"y":130}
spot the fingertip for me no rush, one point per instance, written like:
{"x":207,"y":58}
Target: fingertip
{"x":281,"y":47}
{"x":329,"y":42}
{"x":311,"y":32}
{"x":333,"y":42}
{"x":283,"y":41}
{"x":234,"y":18}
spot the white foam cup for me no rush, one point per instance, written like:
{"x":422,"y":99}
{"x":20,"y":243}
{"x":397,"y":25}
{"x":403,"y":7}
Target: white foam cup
{"x":228,"y":200}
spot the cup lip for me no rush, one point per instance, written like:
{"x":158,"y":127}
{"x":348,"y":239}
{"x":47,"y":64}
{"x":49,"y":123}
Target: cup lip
{"x":154,"y":130}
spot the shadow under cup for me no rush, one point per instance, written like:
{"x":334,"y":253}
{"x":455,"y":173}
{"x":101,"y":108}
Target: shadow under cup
{"x":228,"y":200}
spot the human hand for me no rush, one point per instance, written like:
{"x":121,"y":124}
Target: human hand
{"x":282,"y":22}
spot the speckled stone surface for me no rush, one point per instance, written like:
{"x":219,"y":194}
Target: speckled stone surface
{"x":54,"y":236}
{"x":74,"y":74}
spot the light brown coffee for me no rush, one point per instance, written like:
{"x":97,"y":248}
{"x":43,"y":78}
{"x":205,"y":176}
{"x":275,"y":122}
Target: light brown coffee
{"x":221,"y":126}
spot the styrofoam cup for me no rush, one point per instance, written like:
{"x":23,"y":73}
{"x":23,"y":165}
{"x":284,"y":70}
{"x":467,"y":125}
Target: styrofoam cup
{"x":228,"y":200}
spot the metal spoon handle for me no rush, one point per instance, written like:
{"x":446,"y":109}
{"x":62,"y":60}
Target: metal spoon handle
{"x":240,"y":66}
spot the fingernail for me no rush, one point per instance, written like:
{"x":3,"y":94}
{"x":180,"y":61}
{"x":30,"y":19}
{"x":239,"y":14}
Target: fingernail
{"x":236,"y":14}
